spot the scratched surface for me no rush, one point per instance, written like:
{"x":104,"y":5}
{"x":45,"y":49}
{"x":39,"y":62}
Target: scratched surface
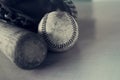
{"x":95,"y":57}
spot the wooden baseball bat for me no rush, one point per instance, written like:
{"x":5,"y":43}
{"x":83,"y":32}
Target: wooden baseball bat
{"x":26,"y":49}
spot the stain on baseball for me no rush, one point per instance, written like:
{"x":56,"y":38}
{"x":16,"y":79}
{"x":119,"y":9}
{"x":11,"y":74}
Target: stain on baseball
{"x":60,"y":31}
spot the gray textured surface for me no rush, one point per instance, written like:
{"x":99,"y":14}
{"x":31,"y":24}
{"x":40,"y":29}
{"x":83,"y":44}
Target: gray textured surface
{"x":95,"y":57}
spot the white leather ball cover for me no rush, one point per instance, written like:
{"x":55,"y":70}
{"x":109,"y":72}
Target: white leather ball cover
{"x":59,"y":30}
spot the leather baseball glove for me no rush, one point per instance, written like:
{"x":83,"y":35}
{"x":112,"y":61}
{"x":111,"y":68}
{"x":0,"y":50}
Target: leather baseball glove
{"x":28,"y":13}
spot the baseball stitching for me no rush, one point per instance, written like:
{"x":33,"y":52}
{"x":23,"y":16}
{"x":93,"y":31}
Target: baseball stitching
{"x":67,"y":44}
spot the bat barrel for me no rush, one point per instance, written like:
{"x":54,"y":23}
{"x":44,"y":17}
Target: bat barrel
{"x":26,"y":49}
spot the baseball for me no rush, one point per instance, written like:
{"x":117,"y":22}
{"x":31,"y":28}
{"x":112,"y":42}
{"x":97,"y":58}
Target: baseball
{"x":59,"y":30}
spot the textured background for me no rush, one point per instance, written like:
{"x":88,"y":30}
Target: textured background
{"x":96,"y":55}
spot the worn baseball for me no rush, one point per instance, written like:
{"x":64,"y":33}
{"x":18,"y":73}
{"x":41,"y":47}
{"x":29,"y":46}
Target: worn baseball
{"x":59,"y":30}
